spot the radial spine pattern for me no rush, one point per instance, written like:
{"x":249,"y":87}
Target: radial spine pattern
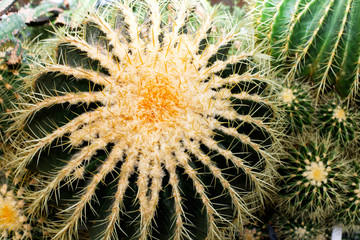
{"x":145,"y":126}
{"x":314,"y":177}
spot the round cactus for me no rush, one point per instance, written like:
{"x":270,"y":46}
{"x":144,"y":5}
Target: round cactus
{"x":298,"y":105}
{"x":337,"y":121}
{"x":13,"y":223}
{"x":295,"y":229}
{"x":313,"y":178}
{"x":13,"y":66}
{"x":317,"y":39}
{"x":149,"y":124}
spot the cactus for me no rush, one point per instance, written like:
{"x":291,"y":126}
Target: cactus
{"x":313,"y":178}
{"x":145,"y":126}
{"x":13,"y":23}
{"x":338,"y":121}
{"x":298,"y":105}
{"x":316,"y":39}
{"x":254,"y":231}
{"x":295,"y":229}
{"x":15,"y":61}
{"x":13,"y":223}
{"x":349,"y":214}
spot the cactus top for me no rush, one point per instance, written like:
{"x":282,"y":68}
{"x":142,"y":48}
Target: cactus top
{"x":148,"y":92}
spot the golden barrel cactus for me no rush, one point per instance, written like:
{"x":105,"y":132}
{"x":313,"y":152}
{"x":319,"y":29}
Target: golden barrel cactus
{"x":153,"y":120}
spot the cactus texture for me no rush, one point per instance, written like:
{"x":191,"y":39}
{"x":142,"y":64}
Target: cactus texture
{"x":313,"y":179}
{"x":317,"y":39}
{"x":144,"y":126}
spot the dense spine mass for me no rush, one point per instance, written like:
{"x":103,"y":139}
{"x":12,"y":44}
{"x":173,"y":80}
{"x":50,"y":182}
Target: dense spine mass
{"x":146,"y":127}
{"x":318,"y":39}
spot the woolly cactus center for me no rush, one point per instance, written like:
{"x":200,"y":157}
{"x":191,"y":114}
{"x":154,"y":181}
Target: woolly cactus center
{"x":9,"y":217}
{"x":339,"y":114}
{"x":357,"y":192}
{"x":158,"y":101}
{"x":316,"y":173}
{"x":288,"y":95}
{"x":301,"y":232}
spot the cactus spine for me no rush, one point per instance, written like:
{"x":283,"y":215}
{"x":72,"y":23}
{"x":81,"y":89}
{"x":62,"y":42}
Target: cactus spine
{"x":317,"y":39}
{"x":144,"y":126}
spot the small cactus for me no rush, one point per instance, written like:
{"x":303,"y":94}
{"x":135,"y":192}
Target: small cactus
{"x":295,"y":229}
{"x":15,"y":61}
{"x":313,"y":178}
{"x":298,"y":105}
{"x":349,"y":214}
{"x":318,"y":39}
{"x":145,"y":126}
{"x":338,"y":121}
{"x":254,"y":231}
{"x":13,"y":223}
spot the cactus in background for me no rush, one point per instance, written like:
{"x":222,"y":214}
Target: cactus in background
{"x":338,"y":121}
{"x":349,"y":214}
{"x":13,"y":23}
{"x":318,"y":39}
{"x":313,"y":178}
{"x":297,"y":102}
{"x":254,"y":231}
{"x":144,"y":126}
{"x":295,"y":229}
{"x":13,"y":223}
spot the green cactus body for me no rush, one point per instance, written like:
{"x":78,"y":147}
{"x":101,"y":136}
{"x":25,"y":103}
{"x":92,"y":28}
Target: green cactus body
{"x":318,"y":39}
{"x":313,"y":179}
{"x":338,"y":122}
{"x":298,"y":105}
{"x":143,"y":128}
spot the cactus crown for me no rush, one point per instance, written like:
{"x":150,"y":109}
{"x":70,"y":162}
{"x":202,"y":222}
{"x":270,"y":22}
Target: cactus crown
{"x":313,"y":179}
{"x":13,"y":223}
{"x":144,"y":102}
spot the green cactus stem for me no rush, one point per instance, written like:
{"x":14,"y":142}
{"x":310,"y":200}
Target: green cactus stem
{"x":312,"y":180}
{"x":144,"y":126}
{"x":317,"y":39}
